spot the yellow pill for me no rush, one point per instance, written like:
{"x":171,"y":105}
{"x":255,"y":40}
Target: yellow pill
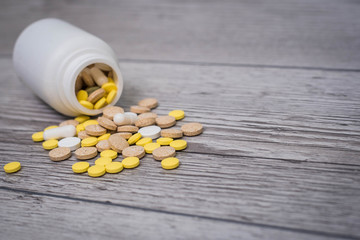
{"x":144,"y":141}
{"x":79,"y":127}
{"x":114,"y":167}
{"x":50,"y":127}
{"x":82,"y":95}
{"x":82,"y":118}
{"x":150,"y":147}
{"x":12,"y":167}
{"x":89,"y":122}
{"x":103,"y":161}
{"x":177,"y":114}
{"x":111,"y":96}
{"x":101,"y":103}
{"x":109,"y":153}
{"x":50,"y":144}
{"x":89,"y":142}
{"x":130,"y":162}
{"x":109,"y":86}
{"x":38,"y":137}
{"x":164,"y":141}
{"x":178,"y":144}
{"x":134,"y":138}
{"x":104,"y":137}
{"x":110,"y":79}
{"x":96,"y":171}
{"x":86,"y":104}
{"x":80,"y":167}
{"x":170,"y":163}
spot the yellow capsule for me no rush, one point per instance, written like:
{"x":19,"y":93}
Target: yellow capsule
{"x":103,"y":161}
{"x":109,"y":86}
{"x":86,"y":104}
{"x":50,"y":144}
{"x":100,"y":103}
{"x":150,"y":147}
{"x":82,"y":118}
{"x":96,"y":171}
{"x":82,"y":95}
{"x":79,"y":127}
{"x":89,"y":142}
{"x":144,"y":141}
{"x":80,"y":167}
{"x":114,"y":167}
{"x":12,"y":167}
{"x":109,"y":153}
{"x":130,"y":162}
{"x":134,"y":138}
{"x":178,"y":144}
{"x":170,"y":163}
{"x":104,"y":137}
{"x":50,"y":127}
{"x":177,"y":114}
{"x":38,"y":137}
{"x":89,"y":122}
{"x":111,"y":96}
{"x":164,"y":141}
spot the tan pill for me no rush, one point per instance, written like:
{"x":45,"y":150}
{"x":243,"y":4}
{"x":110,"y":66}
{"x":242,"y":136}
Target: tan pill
{"x":125,"y":135}
{"x":103,"y":145}
{"x":165,"y":121}
{"x":60,"y":154}
{"x":98,"y":76}
{"x":134,"y":151}
{"x":171,"y":133}
{"x":128,"y":128}
{"x":143,"y":122}
{"x":86,"y":77}
{"x":163,"y":152}
{"x":148,"y":115}
{"x":139,"y":109}
{"x":78,"y":84}
{"x":69,"y":122}
{"x":83,"y":135}
{"x":106,"y":123}
{"x":109,"y":112}
{"x":192,"y":129}
{"x":96,"y":95}
{"x":95,"y":130}
{"x":118,"y":142}
{"x":86,"y":153}
{"x":149,"y":103}
{"x":110,"y":74}
{"x":103,"y":67}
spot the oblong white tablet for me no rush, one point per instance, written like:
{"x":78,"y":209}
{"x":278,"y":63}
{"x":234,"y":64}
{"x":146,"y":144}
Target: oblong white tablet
{"x":60,"y":132}
{"x":71,"y":142}
{"x":150,"y":131}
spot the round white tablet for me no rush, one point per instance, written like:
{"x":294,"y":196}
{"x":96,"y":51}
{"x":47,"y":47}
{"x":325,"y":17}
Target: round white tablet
{"x":150,"y":131}
{"x":71,"y":142}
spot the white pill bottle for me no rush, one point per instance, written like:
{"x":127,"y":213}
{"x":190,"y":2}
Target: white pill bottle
{"x":50,"y":54}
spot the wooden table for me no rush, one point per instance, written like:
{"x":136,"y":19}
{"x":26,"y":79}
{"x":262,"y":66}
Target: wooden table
{"x":276,"y":85}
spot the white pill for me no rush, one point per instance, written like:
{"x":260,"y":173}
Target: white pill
{"x":132,"y":115}
{"x":60,"y":132}
{"x":122,"y":119}
{"x":150,"y":131}
{"x":71,"y":142}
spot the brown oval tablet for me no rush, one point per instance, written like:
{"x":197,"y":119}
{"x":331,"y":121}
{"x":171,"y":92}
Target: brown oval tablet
{"x":78,"y":84}
{"x":86,"y":153}
{"x":69,"y":122}
{"x":163,"y":152}
{"x":110,"y":111}
{"x":60,"y":154}
{"x":148,"y":115}
{"x":106,"y":123}
{"x":165,"y":121}
{"x":103,"y":145}
{"x":139,"y":109}
{"x":148,"y":102}
{"x":128,"y":128}
{"x":143,"y":122}
{"x":125,"y":135}
{"x":118,"y":142}
{"x":171,"y":133}
{"x":83,"y":135}
{"x":134,"y":151}
{"x":95,"y":130}
{"x":87,"y":78}
{"x":96,"y":95}
{"x":192,"y":129}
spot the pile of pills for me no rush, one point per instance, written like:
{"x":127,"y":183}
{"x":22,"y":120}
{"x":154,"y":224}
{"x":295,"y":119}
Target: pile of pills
{"x":129,"y":134}
{"x":95,"y":87}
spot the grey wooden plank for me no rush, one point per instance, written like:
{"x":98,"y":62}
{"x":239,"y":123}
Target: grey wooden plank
{"x":309,"y":33}
{"x":29,"y":216}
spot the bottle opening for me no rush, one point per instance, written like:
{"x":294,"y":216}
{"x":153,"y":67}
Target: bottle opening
{"x":96,"y":86}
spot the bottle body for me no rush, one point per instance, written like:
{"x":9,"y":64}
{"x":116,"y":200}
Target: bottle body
{"x":50,"y":54}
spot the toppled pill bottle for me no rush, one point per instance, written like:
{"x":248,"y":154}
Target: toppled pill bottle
{"x":72,"y":70}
